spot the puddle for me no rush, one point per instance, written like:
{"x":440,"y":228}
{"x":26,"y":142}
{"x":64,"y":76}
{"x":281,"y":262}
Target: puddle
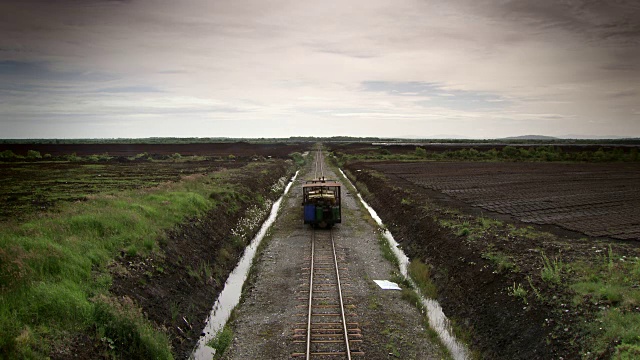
{"x":437,"y":319}
{"x":230,"y":295}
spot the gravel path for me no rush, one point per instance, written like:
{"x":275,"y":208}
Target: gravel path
{"x":266,"y":317}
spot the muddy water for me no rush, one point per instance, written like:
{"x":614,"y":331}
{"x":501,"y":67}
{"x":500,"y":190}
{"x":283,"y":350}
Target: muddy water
{"x":437,"y":319}
{"x":230,"y":295}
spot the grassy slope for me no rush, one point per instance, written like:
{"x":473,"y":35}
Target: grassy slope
{"x":53,"y":277}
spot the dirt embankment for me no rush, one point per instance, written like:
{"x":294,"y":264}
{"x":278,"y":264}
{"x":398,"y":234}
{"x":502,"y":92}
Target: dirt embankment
{"x":470,"y":291}
{"x":177,"y":287}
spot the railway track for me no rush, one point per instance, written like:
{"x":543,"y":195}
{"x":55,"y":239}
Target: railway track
{"x":330,"y":329}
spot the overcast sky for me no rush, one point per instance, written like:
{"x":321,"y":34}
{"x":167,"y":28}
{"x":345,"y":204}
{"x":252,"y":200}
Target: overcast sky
{"x":279,"y":68}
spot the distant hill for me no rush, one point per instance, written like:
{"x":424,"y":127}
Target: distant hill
{"x":530,"y":137}
{"x":592,"y":137}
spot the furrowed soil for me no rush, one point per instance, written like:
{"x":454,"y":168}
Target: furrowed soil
{"x":422,"y":198}
{"x":271,"y":306}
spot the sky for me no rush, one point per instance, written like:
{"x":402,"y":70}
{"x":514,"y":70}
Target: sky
{"x":280,"y":68}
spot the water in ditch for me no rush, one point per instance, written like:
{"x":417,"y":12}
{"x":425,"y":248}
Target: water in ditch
{"x":437,"y":319}
{"x":230,"y":295}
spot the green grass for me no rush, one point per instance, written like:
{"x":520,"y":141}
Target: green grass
{"x":421,"y":275}
{"x":611,"y":283}
{"x":221,"y":342}
{"x":551,"y":270}
{"x":500,"y":260}
{"x":49,"y":266}
{"x":517,"y":290}
{"x":387,"y":252}
{"x":469,"y":228}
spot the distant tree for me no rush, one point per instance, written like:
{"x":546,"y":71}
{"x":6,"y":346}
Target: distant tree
{"x":32,"y":154}
{"x":510,"y":152}
{"x":421,"y":152}
{"x":7,"y":154}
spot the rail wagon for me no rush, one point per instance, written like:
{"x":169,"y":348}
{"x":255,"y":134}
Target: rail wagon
{"x":321,"y":201}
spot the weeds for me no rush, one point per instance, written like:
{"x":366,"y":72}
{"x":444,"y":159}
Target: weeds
{"x":535,"y":289}
{"x":501,"y":261}
{"x":421,"y":274}
{"x":551,"y":271}
{"x":174,"y":308}
{"x":221,"y":342}
{"x":518,"y":291}
{"x":527,"y":232}
{"x":387,"y":252}
{"x":612,"y":285}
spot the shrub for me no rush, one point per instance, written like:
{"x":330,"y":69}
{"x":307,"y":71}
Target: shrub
{"x":32,"y":154}
{"x":421,"y":152}
{"x":298,"y":159}
{"x":7,"y":154}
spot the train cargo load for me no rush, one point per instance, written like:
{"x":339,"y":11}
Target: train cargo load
{"x":321,"y":200}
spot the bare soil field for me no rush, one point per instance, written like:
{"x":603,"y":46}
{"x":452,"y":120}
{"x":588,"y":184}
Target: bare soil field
{"x":491,"y":269}
{"x":598,"y":200}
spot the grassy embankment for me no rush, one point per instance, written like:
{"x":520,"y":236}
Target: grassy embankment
{"x":604,"y":280}
{"x":54,"y":281}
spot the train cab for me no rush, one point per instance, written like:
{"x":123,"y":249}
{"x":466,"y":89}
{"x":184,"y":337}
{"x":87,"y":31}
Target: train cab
{"x":321,"y":200}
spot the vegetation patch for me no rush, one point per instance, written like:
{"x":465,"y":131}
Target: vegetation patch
{"x":56,"y":270}
{"x":609,"y":283}
{"x":220,"y":343}
{"x":421,"y":274}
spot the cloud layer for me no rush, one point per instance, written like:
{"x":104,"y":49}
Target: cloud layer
{"x":281,"y":68}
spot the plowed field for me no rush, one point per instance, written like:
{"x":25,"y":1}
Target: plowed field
{"x":594,"y":199}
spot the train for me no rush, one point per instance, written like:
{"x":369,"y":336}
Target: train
{"x":321,"y":200}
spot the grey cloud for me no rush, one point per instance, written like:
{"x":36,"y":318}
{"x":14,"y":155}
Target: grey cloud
{"x":597,"y":19}
{"x":130,"y":89}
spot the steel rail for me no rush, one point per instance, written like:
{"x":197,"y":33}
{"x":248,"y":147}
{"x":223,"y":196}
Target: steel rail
{"x":344,"y":325}
{"x":313,"y":237}
{"x":344,"y":321}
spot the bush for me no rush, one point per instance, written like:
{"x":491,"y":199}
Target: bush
{"x":298,"y":159}
{"x":7,"y":154}
{"x":32,"y":154}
